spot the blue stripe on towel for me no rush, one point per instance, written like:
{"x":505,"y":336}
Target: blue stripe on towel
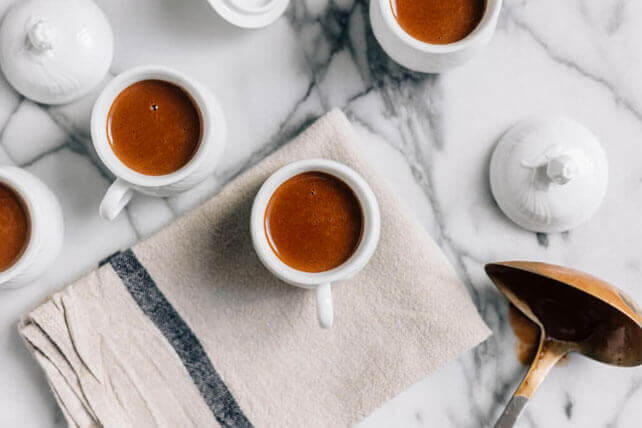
{"x":154,"y":304}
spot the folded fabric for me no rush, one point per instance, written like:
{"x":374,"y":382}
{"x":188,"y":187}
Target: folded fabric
{"x":189,"y":329}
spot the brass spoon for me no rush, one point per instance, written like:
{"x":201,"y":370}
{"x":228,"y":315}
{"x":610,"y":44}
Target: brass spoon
{"x":615,"y":338}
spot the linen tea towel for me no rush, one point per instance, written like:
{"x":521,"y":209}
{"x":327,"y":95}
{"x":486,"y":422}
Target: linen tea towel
{"x":187,"y":328}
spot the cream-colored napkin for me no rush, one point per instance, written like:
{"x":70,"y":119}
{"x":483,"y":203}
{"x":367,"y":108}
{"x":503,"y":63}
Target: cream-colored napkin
{"x":188,"y":328}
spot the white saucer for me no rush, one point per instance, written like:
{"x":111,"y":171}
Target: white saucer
{"x":250,"y":13}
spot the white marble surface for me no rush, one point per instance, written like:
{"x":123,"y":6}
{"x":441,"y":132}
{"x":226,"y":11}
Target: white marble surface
{"x":430,"y":135}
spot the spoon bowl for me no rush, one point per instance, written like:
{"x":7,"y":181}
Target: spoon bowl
{"x":575,"y":312}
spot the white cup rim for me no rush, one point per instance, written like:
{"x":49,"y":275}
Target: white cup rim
{"x":369,"y":238}
{"x":490,"y":14}
{"x":34,"y":225}
{"x":101,"y":110}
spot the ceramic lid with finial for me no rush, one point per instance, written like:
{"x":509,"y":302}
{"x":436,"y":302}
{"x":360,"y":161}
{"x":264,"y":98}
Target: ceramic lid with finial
{"x":549,"y":174}
{"x":55,"y":51}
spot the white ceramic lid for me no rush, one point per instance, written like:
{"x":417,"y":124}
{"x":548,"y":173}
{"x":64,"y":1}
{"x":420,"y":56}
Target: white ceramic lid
{"x":549,"y":174}
{"x":250,"y":13}
{"x":55,"y":51}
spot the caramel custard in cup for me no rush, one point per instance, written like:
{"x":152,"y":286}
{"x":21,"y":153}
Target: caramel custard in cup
{"x":31,"y":227}
{"x":330,"y":237}
{"x":159,"y":96}
{"x":418,"y":55}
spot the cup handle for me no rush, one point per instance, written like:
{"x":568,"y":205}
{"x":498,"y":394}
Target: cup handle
{"x":324,"y":305}
{"x":117,"y":197}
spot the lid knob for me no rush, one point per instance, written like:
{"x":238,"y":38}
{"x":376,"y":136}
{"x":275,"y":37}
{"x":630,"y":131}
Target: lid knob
{"x":41,"y":35}
{"x":562,"y":169}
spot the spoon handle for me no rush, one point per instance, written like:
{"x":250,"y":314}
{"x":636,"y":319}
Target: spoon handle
{"x":512,"y":412}
{"x":548,"y":355}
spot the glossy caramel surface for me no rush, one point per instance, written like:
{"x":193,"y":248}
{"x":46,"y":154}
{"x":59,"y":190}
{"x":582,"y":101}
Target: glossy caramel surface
{"x":154,"y":127}
{"x":438,"y":21}
{"x":313,"y":222}
{"x":14,"y":227}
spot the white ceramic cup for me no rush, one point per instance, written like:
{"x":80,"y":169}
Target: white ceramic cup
{"x":426,"y":57}
{"x":321,"y":281}
{"x":202,"y":164}
{"x":45,"y":227}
